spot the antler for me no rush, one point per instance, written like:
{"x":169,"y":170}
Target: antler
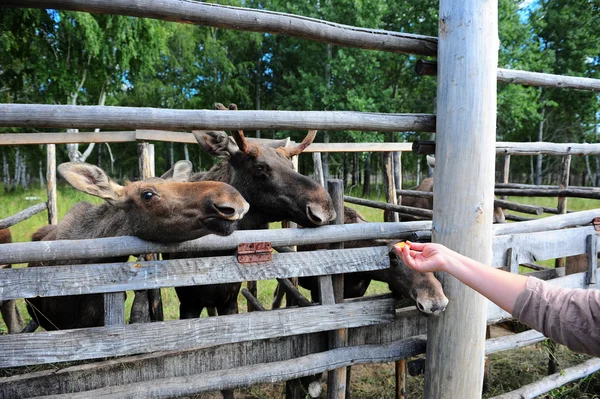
{"x":238,"y":135}
{"x":302,"y":146}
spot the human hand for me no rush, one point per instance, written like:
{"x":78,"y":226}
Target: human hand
{"x":425,"y":257}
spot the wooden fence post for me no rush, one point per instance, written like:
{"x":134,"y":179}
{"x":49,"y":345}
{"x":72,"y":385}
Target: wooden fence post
{"x":505,"y":176}
{"x":390,"y":186}
{"x":336,"y":379}
{"x":51,"y":180}
{"x":147,"y":305}
{"x":561,"y":207}
{"x":464,"y":190}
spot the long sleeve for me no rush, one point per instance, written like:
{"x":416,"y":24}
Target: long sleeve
{"x":568,"y":316}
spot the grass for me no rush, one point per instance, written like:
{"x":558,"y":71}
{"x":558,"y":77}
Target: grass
{"x":510,"y":369}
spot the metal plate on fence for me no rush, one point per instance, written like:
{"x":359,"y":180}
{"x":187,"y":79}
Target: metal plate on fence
{"x":254,"y":252}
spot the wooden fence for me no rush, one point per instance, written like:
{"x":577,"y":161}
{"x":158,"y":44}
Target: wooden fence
{"x":170,"y":358}
{"x":184,"y":357}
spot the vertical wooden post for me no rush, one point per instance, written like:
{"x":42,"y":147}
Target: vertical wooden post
{"x":336,"y":379}
{"x":561,"y":207}
{"x":505,"y":176}
{"x":591,"y":278}
{"x":151,"y":297}
{"x":390,"y":186}
{"x":114,"y":308}
{"x":463,"y":190}
{"x":401,"y":379}
{"x":51,"y":180}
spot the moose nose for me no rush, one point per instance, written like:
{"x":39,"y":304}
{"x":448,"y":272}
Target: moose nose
{"x":232,"y":211}
{"x":318,"y":215}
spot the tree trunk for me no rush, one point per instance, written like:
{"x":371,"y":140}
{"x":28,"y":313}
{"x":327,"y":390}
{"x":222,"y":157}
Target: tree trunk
{"x":538,"y":176}
{"x":367,"y":180}
{"x":17,"y":173}
{"x":171,"y":155}
{"x":354,"y":169}
{"x":418,"y":172}
{"x":257,"y":87}
{"x":41,"y":175}
{"x":100,"y":157}
{"x":186,"y":152}
{"x":345,"y":169}
{"x":325,"y":160}
{"x":6,"y":172}
{"x":590,"y":177}
{"x":24,"y":180}
{"x":532,"y":171}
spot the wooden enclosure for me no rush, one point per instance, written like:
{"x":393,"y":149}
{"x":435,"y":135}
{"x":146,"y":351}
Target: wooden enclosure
{"x":184,"y":357}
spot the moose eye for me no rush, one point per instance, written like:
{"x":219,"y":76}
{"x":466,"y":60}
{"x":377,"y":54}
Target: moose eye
{"x":258,"y":169}
{"x":147,"y":195}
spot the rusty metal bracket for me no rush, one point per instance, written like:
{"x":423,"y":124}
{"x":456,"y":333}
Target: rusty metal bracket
{"x":254,"y":252}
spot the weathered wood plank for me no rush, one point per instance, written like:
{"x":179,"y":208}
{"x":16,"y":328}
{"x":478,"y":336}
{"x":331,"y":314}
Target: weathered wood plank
{"x":550,"y":382}
{"x":514,"y":341}
{"x":114,"y":309}
{"x":66,"y":138}
{"x":407,"y":323}
{"x":408,"y":210}
{"x":263,"y":373}
{"x":105,"y":117}
{"x":359,"y":147}
{"x":120,"y":246}
{"x":515,"y":76}
{"x":69,"y":345}
{"x":463,"y":190}
{"x":550,"y":223}
{"x":567,"y":192}
{"x":114,"y":277}
{"x":23,"y":215}
{"x":533,"y":247}
{"x":253,"y":20}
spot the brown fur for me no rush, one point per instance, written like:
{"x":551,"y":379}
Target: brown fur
{"x":175,"y":211}
{"x":265,"y":177}
{"x":404,"y":282}
{"x":8,"y":309}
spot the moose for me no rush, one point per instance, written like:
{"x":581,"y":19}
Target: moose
{"x":152,"y":209}
{"x":263,"y":173}
{"x":423,"y":288}
{"x":8,"y":309}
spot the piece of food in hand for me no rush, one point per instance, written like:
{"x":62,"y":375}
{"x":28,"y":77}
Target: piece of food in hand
{"x":400,"y":246}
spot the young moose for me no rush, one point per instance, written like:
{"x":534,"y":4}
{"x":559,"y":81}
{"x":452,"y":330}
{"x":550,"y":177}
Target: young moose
{"x":264,"y":175}
{"x":152,"y":209}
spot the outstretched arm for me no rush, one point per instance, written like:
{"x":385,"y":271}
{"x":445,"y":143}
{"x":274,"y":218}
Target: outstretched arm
{"x":499,"y":286}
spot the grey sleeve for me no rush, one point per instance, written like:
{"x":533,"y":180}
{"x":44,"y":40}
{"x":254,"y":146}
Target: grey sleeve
{"x":568,"y":316}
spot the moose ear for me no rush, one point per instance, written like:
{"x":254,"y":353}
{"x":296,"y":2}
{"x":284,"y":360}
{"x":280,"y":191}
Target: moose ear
{"x":181,"y":171}
{"x":92,"y":180}
{"x":216,"y":143}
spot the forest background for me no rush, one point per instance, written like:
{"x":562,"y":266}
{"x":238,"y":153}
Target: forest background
{"x":63,"y":57}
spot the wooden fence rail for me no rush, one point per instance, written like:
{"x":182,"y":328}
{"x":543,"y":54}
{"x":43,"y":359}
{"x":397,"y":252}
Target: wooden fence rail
{"x":58,"y":346}
{"x":248,"y":19}
{"x":115,"y":277}
{"x":105,"y":117}
{"x":23,"y":215}
{"x":123,"y":246}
